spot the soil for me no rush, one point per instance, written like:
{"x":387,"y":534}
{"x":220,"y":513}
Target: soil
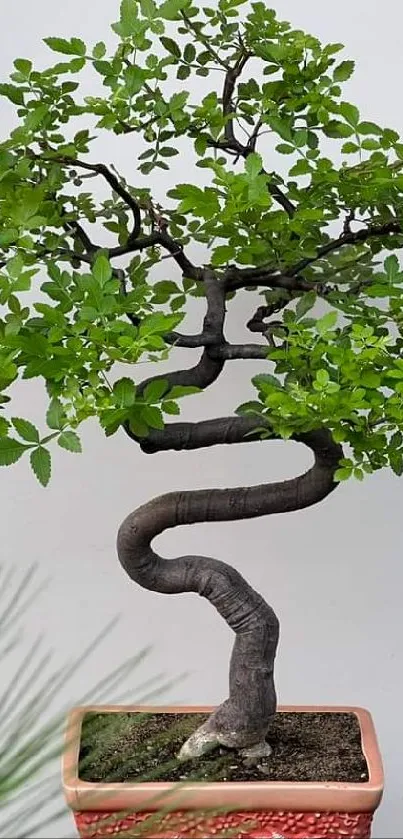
{"x":307,"y":746}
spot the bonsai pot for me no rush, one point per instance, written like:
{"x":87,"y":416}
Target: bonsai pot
{"x":176,"y":806}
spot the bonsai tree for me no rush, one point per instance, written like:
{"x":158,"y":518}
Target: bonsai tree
{"x":267,"y":210}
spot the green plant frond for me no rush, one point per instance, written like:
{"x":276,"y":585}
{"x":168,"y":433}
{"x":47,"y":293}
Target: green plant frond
{"x":30,"y":747}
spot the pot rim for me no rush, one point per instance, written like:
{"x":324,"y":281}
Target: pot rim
{"x":333,"y":796}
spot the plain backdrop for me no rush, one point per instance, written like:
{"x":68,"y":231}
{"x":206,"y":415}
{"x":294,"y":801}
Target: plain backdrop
{"x":333,"y":573}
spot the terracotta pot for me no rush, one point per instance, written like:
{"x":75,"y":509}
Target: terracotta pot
{"x":263,"y":809}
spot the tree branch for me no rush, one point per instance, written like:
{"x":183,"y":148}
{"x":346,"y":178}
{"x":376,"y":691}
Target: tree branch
{"x":111,"y":179}
{"x":347,"y":238}
{"x":229,"y":352}
{"x":208,"y":368}
{"x":79,"y":233}
{"x":231,"y":77}
{"x":236,"y":278}
{"x":160,"y":237}
{"x":134,"y":243}
{"x":231,"y":144}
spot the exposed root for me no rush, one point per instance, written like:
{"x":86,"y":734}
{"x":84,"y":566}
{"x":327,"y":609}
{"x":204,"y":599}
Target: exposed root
{"x":202,"y":740}
{"x":205,"y":740}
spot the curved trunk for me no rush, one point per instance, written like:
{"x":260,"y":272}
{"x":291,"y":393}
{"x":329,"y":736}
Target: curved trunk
{"x":242,"y":720}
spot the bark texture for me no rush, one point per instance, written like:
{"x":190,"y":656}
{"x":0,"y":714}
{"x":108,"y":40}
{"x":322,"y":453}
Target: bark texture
{"x":243,"y":719}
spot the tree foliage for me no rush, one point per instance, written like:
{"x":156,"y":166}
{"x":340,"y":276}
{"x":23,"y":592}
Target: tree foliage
{"x":315,"y":232}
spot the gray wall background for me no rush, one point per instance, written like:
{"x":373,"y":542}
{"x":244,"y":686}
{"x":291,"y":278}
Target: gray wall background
{"x":333,"y":573}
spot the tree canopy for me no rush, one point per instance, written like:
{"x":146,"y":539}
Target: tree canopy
{"x":301,"y":197}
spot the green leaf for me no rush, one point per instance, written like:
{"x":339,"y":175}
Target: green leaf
{"x":326,"y":323}
{"x":70,"y":440}
{"x":368,"y":128}
{"x":350,"y":148}
{"x":339,"y":435}
{"x":125,"y":392}
{"x":14,"y":266}
{"x":342,"y":474}
{"x":343,"y":71}
{"x":396,"y":462}
{"x":170,"y":407}
{"x":4,"y":426}
{"x":201,"y":144}
{"x":148,"y":9}
{"x":170,"y":10}
{"x":371,"y":379}
{"x":180,"y":390}
{"x":284,"y":148}
{"x":189,"y":53}
{"x":285,"y":431}
{"x":128,"y":19}
{"x":396,"y":440}
{"x":183,"y":72}
{"x":336,"y":129}
{"x":165,"y":288}
{"x":322,"y":377}
{"x":7,"y":237}
{"x":392,"y":267}
{"x":99,"y":50}
{"x":304,"y":304}
{"x":301,"y":167}
{"x":13,"y":93}
{"x":222,"y":254}
{"x":158,"y":322}
{"x":35,"y":118}
{"x":350,"y":113}
{"x":168,"y":151}
{"x":253,"y":165}
{"x":266,"y":382}
{"x":10,"y":451}
{"x":101,"y":269}
{"x":41,"y":464}
{"x":171,"y":46}
{"x":282,"y":127}
{"x":139,"y":428}
{"x":79,"y":46}
{"x":26,"y":429}
{"x":88,"y":313}
{"x":251,"y":407}
{"x":155,"y":390}
{"x":153,"y":417}
{"x":370,"y":144}
{"x":73,"y":47}
{"x":55,"y":416}
{"x":24,"y":66}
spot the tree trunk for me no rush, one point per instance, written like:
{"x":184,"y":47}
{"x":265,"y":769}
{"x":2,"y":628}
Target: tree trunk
{"x":242,"y":720}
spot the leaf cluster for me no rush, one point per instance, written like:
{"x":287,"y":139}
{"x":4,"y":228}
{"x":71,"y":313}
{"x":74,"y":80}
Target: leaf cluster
{"x":68,"y":316}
